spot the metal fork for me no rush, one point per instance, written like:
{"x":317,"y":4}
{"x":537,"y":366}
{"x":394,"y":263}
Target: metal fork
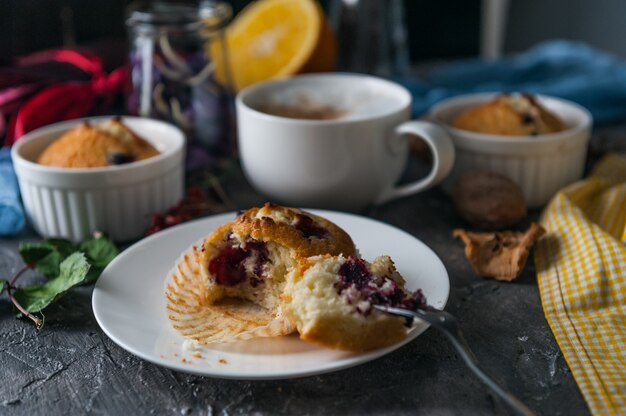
{"x":447,"y":324}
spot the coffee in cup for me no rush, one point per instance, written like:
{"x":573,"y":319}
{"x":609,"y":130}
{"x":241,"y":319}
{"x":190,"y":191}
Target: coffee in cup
{"x":305,"y":109}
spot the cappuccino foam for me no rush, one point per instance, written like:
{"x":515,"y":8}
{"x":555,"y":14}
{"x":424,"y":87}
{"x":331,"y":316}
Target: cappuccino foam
{"x":343,"y":103}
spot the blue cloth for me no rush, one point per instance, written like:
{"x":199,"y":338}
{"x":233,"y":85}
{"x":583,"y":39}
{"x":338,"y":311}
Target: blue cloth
{"x":570,"y":70}
{"x":12,"y":217}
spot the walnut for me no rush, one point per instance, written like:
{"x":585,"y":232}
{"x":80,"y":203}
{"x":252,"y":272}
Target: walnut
{"x":499,"y":255}
{"x":489,"y":200}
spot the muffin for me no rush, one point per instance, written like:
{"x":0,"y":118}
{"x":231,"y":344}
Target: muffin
{"x":231,"y":287}
{"x":330,"y":301}
{"x":97,"y":145}
{"x":510,"y":115}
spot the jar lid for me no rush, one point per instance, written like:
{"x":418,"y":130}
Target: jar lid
{"x":208,"y":14}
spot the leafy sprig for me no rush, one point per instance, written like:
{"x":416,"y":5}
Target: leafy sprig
{"x":64,"y":265}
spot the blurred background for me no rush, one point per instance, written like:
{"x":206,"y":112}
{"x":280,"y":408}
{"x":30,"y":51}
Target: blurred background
{"x":436,"y":29}
{"x":428,"y":46}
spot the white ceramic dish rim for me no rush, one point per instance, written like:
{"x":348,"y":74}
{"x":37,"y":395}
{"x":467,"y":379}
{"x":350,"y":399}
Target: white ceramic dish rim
{"x":64,"y":126}
{"x":466,"y":100}
{"x":243,"y":97}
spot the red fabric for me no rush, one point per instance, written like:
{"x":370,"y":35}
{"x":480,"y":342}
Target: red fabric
{"x":65,"y":100}
{"x":83,"y":60}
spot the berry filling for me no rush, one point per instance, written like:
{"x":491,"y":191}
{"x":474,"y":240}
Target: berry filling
{"x":362,"y":288}
{"x":258,"y":250}
{"x":308,"y":228}
{"x":120,"y":158}
{"x":232,"y":265}
{"x":527,"y":118}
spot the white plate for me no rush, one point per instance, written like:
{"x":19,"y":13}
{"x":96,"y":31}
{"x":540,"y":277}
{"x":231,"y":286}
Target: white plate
{"x":129,"y":304}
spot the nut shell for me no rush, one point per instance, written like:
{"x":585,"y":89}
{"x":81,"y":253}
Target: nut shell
{"x":489,"y":200}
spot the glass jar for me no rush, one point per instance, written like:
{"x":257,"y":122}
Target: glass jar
{"x":372,"y":36}
{"x":173,"y":70}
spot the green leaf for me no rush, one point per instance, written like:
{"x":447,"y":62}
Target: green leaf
{"x":2,"y":285}
{"x":33,"y":252}
{"x":100,"y":251}
{"x":49,"y":265}
{"x":47,"y":255}
{"x":73,"y":271}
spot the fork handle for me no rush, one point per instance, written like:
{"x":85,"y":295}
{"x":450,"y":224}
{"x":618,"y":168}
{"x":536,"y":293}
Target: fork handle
{"x":459,"y":342}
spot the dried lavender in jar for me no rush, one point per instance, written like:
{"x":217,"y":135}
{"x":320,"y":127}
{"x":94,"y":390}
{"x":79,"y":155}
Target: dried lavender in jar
{"x":173,"y":71}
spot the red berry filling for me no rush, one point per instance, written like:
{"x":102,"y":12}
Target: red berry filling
{"x":229,"y":265}
{"x":308,"y":228}
{"x":258,"y":249}
{"x":363,"y":289}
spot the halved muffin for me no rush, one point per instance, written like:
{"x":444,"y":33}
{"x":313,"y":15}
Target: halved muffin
{"x":330,"y":301}
{"x":230,"y":287}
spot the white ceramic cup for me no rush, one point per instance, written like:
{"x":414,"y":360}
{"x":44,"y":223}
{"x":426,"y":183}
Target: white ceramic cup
{"x":347,"y":162}
{"x":540,"y":165}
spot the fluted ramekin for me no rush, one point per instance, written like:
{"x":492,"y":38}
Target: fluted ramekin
{"x":118,"y":200}
{"x":540,"y":165}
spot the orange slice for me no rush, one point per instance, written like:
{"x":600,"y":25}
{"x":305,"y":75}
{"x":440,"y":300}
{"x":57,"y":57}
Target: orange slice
{"x":271,"y":38}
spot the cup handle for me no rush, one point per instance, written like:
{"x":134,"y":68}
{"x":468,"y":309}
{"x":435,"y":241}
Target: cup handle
{"x":441,"y":147}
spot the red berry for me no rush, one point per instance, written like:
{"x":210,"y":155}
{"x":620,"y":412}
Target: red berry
{"x":172,"y":220}
{"x":193,"y":205}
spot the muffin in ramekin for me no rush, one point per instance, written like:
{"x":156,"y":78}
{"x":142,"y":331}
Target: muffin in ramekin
{"x":539,"y":163}
{"x":118,"y":200}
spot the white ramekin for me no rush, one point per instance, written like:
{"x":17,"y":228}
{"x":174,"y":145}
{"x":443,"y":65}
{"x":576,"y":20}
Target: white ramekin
{"x":540,"y":165}
{"x":117,"y":200}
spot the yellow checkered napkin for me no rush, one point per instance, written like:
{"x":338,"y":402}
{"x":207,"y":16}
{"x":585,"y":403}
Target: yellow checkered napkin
{"x":581,"y":270}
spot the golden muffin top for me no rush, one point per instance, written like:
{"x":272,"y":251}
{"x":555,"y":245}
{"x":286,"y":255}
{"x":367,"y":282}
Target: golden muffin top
{"x":97,"y":145}
{"x":510,"y":115}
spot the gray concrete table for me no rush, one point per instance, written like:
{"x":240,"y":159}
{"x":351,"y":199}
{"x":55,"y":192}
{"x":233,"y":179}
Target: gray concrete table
{"x":71,"y":367}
